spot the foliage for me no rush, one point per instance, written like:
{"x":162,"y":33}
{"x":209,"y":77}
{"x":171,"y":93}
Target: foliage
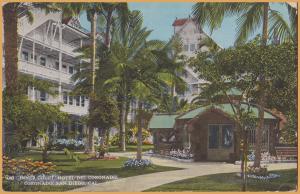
{"x":240,"y":68}
{"x":104,"y":114}
{"x":23,"y":118}
{"x":250,"y":18}
{"x":134,"y":133}
{"x":137,"y":164}
{"x":72,"y":155}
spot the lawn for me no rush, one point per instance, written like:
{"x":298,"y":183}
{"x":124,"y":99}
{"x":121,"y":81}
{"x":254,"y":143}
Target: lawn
{"x":230,"y":182}
{"x":67,"y":166}
{"x":131,"y":148}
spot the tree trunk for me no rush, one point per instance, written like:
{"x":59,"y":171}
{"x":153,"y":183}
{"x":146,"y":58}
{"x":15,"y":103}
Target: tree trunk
{"x":123,"y":125}
{"x":92,"y":95}
{"x":108,"y":24}
{"x":261,"y":101}
{"x":45,"y":155}
{"x":140,"y":132}
{"x":93,"y":57}
{"x":11,"y":47}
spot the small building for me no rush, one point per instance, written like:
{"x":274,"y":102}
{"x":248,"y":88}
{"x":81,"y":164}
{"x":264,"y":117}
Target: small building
{"x":209,"y":132}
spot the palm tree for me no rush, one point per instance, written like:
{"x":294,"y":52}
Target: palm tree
{"x":92,"y":10}
{"x":132,"y":56}
{"x":112,"y":12}
{"x":250,"y":17}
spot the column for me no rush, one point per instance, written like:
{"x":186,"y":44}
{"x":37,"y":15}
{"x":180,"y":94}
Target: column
{"x":33,"y":48}
{"x":60,"y":62}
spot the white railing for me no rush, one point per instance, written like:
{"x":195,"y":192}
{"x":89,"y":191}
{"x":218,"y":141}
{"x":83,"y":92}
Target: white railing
{"x":44,"y":72}
{"x":77,"y":110}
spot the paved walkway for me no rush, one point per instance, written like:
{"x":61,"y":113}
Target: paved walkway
{"x":147,"y":181}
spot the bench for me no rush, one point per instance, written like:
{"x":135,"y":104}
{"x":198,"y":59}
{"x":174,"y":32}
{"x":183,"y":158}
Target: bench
{"x":286,"y":153}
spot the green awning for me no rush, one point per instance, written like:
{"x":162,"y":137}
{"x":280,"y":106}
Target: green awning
{"x":226,"y":108}
{"x":162,"y":121}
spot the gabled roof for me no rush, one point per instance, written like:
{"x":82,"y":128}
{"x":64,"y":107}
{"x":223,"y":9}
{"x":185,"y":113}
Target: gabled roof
{"x":162,"y":121}
{"x":180,"y":22}
{"x":226,"y":108}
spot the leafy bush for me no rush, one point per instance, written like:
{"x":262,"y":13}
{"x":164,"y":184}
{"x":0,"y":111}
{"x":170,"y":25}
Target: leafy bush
{"x":135,"y":163}
{"x":70,"y":144}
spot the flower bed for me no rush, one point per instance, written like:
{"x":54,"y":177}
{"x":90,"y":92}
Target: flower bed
{"x":181,"y":154}
{"x":26,"y":167}
{"x":267,"y":177}
{"x":135,"y":163}
{"x":265,"y":156}
{"x":71,"y":144}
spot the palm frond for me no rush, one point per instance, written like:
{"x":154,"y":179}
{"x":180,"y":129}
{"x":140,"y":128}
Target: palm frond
{"x":249,"y":22}
{"x":279,"y":28}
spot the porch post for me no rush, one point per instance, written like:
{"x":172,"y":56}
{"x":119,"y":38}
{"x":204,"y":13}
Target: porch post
{"x":60,"y":63}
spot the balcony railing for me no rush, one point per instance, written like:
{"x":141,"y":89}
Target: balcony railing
{"x":44,"y":72}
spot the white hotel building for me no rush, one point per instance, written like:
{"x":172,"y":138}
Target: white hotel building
{"x":46,"y":52}
{"x":191,"y":36}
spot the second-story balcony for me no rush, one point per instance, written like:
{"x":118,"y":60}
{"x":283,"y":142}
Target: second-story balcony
{"x":44,"y":72}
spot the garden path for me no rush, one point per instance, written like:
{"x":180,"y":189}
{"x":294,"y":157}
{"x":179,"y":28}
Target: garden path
{"x":147,"y":181}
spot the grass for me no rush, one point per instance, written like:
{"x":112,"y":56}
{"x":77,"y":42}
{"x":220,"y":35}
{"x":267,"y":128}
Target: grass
{"x":86,"y":167}
{"x":230,"y":182}
{"x":131,"y":148}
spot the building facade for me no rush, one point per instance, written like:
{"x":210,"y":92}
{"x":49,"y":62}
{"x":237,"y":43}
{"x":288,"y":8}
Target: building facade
{"x":210,"y":133}
{"x":191,"y":36}
{"x":46,"y":52}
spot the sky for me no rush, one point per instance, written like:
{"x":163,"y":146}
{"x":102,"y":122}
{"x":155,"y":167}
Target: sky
{"x":159,"y":16}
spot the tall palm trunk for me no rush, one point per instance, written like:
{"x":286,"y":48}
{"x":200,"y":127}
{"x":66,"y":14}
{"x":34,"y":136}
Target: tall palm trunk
{"x":108,"y":25}
{"x":11,"y":47}
{"x":140,"y":132}
{"x":123,"y":125}
{"x":93,"y":63}
{"x":261,"y":100}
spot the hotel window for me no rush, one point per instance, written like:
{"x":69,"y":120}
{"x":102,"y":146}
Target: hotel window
{"x":64,"y":68}
{"x":65,"y":97}
{"x":213,"y":136}
{"x":70,"y":100}
{"x":227,"y":136}
{"x":77,"y":100}
{"x":25,"y":55}
{"x":186,"y":47}
{"x":43,"y":61}
{"x":217,"y":131}
{"x":42,"y":96}
{"x":192,"y":47}
{"x":82,"y":101}
{"x":57,"y":65}
{"x":71,"y":69}
{"x":31,"y":57}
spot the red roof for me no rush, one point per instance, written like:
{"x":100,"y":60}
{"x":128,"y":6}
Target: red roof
{"x":179,"y":22}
